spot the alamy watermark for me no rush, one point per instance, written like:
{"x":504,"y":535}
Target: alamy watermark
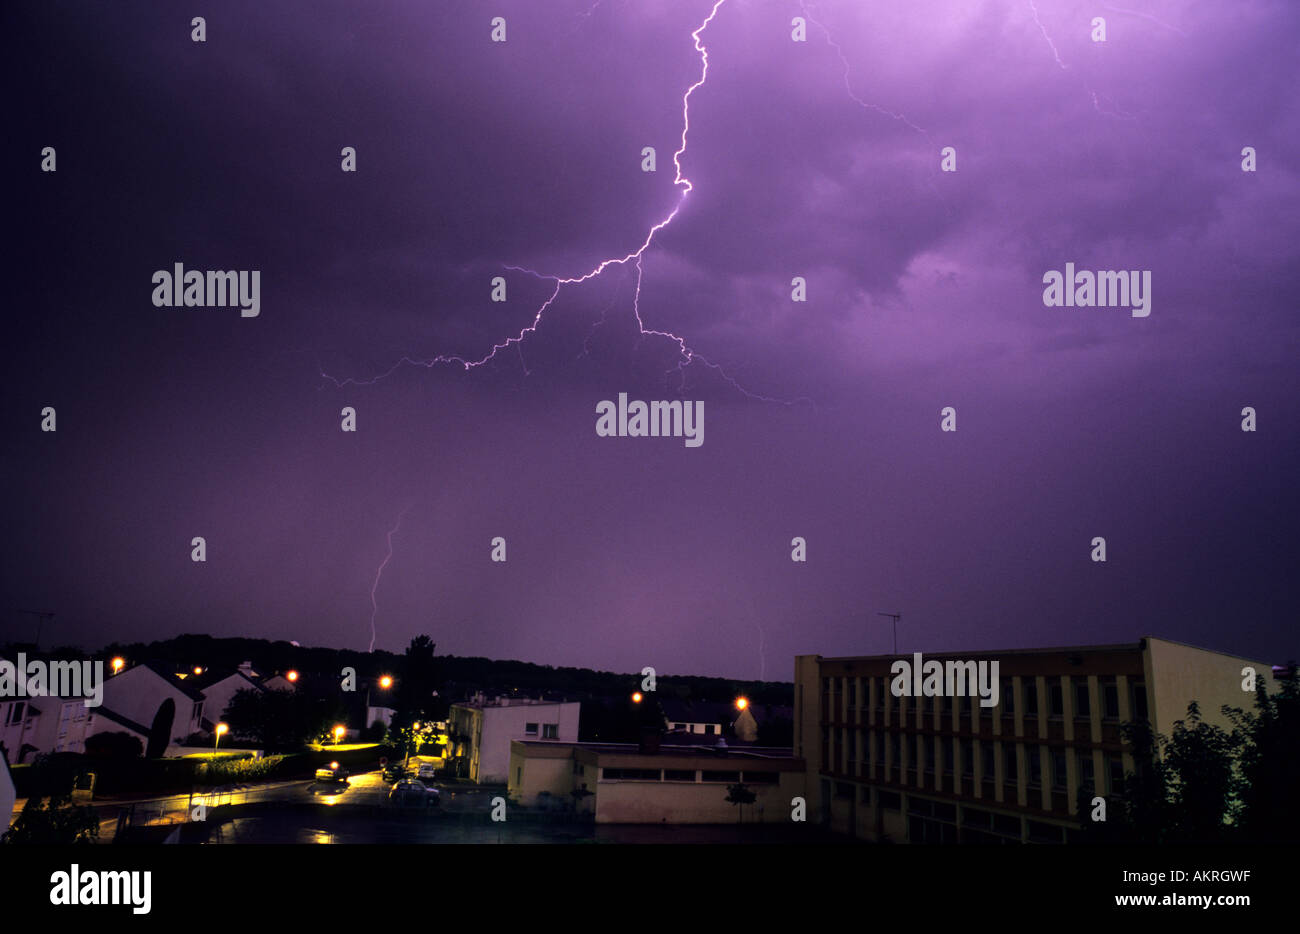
{"x":40,"y":678}
{"x":952,"y":678}
{"x":1106,"y":288}
{"x":637,"y":419}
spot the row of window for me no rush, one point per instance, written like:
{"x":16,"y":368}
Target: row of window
{"x":1108,"y":690}
{"x":945,"y":751}
{"x":937,"y":821}
{"x":688,"y":775}
{"x":549,"y":730}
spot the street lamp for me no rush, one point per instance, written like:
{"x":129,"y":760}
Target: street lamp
{"x":636,"y":697}
{"x":338,"y":733}
{"x":118,"y":664}
{"x":386,"y":682}
{"x":218,"y":732}
{"x":292,"y":676}
{"x":742,"y":703}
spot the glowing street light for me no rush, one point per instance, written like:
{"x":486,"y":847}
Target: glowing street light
{"x":742,"y":703}
{"x":118,"y":664}
{"x":386,"y":682}
{"x":338,"y":733}
{"x":220,"y":730}
{"x":636,"y":697}
{"x":198,"y":670}
{"x":292,"y":675}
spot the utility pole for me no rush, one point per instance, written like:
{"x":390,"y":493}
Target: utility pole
{"x":895,"y":617}
{"x":41,"y":617}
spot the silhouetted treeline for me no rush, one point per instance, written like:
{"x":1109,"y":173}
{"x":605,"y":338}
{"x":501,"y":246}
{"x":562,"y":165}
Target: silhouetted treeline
{"x":459,"y":677}
{"x":1205,"y":784}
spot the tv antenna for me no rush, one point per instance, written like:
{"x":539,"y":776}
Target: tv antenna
{"x":895,"y":617}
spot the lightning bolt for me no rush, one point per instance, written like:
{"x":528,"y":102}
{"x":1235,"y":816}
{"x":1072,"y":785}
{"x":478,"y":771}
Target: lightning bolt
{"x":1095,"y":97}
{"x":686,"y":355}
{"x":867,"y":105}
{"x":374,"y":604}
{"x":1043,"y":29}
{"x":1146,"y":16}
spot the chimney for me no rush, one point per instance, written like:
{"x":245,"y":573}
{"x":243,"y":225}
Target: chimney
{"x":649,"y":742}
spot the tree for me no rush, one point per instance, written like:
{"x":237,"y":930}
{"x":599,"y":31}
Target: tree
{"x":740,"y":795}
{"x":281,"y":719}
{"x":117,"y":745}
{"x":57,"y":822}
{"x":1268,"y":766}
{"x":1200,"y":762}
{"x":1144,"y":802}
{"x":160,"y":734}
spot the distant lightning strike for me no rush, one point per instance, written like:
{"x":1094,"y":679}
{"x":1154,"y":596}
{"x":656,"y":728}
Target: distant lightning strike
{"x":901,"y":118}
{"x":374,"y":604}
{"x":1096,"y":101}
{"x":687,"y":356}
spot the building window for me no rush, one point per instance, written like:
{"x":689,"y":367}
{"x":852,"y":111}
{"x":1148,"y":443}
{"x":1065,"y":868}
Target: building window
{"x":889,"y":800}
{"x":1031,"y":697}
{"x":1085,"y":770}
{"x":519,"y":775}
{"x":1110,"y":699}
{"x":1114,"y":774}
{"x":1082,"y":702}
{"x":550,"y":731}
{"x":1139,"y":689}
{"x":530,"y":729}
{"x":1035,"y":763}
{"x":710,"y":729}
{"x":1059,"y":777}
{"x":1008,"y":698}
{"x":1055,"y":698}
{"x":1010,"y":770}
{"x":866,"y":795}
{"x":714,"y":776}
{"x":762,"y":778}
{"x":986,"y":760}
{"x":1043,"y":833}
{"x":853,"y":692}
{"x":967,"y":758}
{"x":16,"y":710}
{"x":843,"y":790}
{"x":679,"y":775}
{"x":631,"y":775}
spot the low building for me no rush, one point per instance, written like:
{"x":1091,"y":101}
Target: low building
{"x":480,"y":731}
{"x":704,"y":718}
{"x":947,"y":769}
{"x":627,"y":783}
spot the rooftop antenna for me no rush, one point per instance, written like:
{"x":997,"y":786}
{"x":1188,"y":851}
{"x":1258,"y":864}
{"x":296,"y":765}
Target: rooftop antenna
{"x":895,"y":617}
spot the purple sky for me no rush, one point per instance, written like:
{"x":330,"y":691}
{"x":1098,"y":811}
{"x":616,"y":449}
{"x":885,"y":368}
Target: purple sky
{"x":924,"y":290}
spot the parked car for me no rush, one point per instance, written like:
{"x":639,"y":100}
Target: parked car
{"x":427,"y":772}
{"x":332,"y":773}
{"x":411,"y":793}
{"x":394,"y":772}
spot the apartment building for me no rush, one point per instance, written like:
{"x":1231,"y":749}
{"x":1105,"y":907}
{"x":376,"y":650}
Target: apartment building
{"x":946,"y":769}
{"x":481,"y":729}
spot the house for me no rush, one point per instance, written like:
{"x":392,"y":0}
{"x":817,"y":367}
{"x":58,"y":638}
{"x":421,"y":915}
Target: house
{"x":8,"y":796}
{"x":706,"y":718}
{"x":481,"y":730}
{"x":147,"y":693}
{"x":219,"y":690}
